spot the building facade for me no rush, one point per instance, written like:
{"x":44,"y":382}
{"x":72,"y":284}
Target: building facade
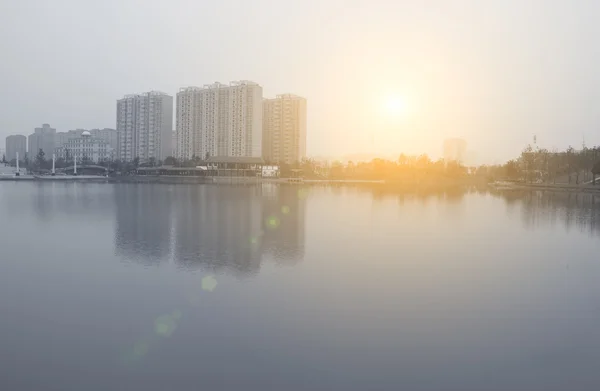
{"x":106,"y":134}
{"x":144,"y":126}
{"x":284,"y":129}
{"x":455,"y":150}
{"x":62,"y":138}
{"x":16,"y":143}
{"x":43,"y":138}
{"x":174,"y":144}
{"x":219,"y":120}
{"x":86,"y":148}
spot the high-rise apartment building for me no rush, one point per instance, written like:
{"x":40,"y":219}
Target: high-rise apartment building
{"x":219,"y":120}
{"x":16,"y":143}
{"x":284,"y":129}
{"x":42,"y":138}
{"x":144,"y":126}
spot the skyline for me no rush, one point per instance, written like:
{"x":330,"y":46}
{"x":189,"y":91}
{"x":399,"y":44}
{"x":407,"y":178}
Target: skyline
{"x":494,"y":74}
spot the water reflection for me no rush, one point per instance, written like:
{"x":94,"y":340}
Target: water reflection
{"x":143,"y":222}
{"x":56,"y":200}
{"x":214,"y":228}
{"x":569,"y":209}
{"x":411,"y":278}
{"x":283,"y":214}
{"x":536,"y":209}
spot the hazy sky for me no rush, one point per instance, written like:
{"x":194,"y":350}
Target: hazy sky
{"x":492,"y":72}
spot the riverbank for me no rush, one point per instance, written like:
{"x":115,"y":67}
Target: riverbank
{"x":545,"y":186}
{"x":176,"y":179}
{"x":60,"y":178}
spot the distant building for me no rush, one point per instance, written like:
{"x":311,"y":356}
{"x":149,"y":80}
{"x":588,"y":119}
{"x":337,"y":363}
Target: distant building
{"x":219,"y":120}
{"x":16,"y":143}
{"x":62,"y":138}
{"x":86,"y":147}
{"x":284,"y":129}
{"x":42,"y":138}
{"x":455,"y":150}
{"x":144,"y":126}
{"x":106,"y":134}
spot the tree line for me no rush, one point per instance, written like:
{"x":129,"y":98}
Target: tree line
{"x":544,"y":166}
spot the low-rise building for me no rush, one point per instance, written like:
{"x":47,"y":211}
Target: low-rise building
{"x":86,"y":148}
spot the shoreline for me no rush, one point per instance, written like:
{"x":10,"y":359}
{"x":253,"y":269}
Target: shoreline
{"x":190,"y":180}
{"x":175,"y":179}
{"x":546,"y":187}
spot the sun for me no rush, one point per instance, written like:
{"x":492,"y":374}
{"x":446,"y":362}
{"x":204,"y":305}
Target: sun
{"x":395,"y":106}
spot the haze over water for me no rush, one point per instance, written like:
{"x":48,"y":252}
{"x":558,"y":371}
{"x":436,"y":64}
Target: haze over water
{"x":296,"y":288}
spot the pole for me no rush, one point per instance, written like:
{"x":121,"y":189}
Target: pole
{"x":75,"y":165}
{"x":53,"y":164}
{"x":17,"y":173}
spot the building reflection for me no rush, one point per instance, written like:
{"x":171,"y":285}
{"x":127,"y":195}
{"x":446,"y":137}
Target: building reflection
{"x":143,"y":222}
{"x":284,"y":224}
{"x":230,"y":229}
{"x":66,"y":201}
{"x":214,"y":227}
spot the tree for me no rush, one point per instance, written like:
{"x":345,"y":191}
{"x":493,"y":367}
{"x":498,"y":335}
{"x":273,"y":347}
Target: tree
{"x":511,"y":169}
{"x":152,"y":161}
{"x":170,"y":161}
{"x":60,"y":163}
{"x":136,"y":162}
{"x":596,"y":170}
{"x":40,"y":160}
{"x":528,"y":159}
{"x":116,"y":165}
{"x":85,"y":160}
{"x":336,"y":171}
{"x":104,"y":162}
{"x":570,"y":161}
{"x":4,"y":159}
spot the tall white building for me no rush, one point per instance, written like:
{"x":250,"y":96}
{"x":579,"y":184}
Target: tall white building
{"x":219,"y":120}
{"x":144,"y":126}
{"x":284,"y":129}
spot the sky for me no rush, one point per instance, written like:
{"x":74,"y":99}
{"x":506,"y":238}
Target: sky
{"x":492,"y":72}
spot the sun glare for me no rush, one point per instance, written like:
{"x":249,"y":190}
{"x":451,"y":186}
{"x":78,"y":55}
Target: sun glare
{"x":395,"y":106}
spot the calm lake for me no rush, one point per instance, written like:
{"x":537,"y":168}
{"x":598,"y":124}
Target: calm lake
{"x":267,"y":287}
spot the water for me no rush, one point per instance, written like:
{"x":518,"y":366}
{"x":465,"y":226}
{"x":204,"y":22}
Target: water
{"x":154,"y":287}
